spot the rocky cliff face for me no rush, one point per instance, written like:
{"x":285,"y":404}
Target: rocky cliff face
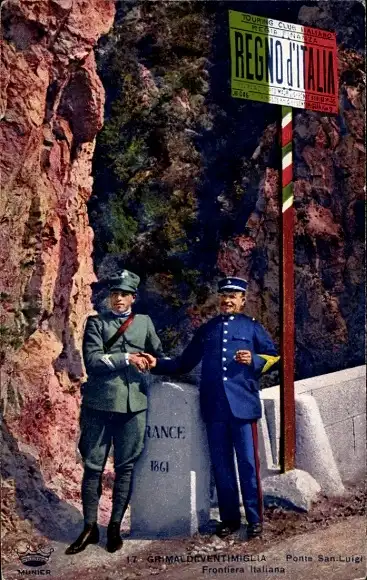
{"x":51,"y":110}
{"x":186,"y":191}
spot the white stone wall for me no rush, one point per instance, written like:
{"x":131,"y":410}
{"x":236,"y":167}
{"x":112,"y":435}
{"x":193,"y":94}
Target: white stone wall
{"x":341,"y":399}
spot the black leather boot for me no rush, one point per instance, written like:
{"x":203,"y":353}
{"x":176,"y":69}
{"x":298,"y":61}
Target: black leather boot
{"x":114,"y":541}
{"x":227,"y":528}
{"x":90,"y":535}
{"x":254,"y":530}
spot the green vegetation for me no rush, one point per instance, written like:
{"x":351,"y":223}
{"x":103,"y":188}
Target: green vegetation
{"x":130,"y":159}
{"x":123,"y":227}
{"x":143,"y":134}
{"x":147,"y":169}
{"x":10,"y":337}
{"x":170,"y":337}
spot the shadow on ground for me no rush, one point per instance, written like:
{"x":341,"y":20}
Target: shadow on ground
{"x":26,"y":496}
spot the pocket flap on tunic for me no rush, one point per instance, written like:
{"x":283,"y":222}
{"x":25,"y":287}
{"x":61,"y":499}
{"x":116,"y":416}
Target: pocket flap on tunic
{"x":243,"y":338}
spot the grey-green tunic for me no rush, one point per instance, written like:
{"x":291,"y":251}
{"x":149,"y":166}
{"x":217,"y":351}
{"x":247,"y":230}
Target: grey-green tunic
{"x":123,"y":389}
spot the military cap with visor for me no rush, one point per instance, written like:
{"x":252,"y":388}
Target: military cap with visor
{"x":232,"y":284}
{"x":126,"y":281}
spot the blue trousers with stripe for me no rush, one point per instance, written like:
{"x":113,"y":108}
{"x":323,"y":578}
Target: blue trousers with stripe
{"x":224,"y":438}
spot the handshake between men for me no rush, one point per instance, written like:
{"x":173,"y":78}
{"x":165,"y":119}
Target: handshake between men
{"x":144,"y":361}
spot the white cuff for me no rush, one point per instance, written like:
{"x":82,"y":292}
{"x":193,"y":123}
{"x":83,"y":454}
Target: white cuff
{"x":107,"y":361}
{"x":126,"y":355}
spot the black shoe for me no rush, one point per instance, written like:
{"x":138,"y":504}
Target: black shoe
{"x":114,"y":541}
{"x":90,"y":535}
{"x":254,"y":530}
{"x":224,"y":529}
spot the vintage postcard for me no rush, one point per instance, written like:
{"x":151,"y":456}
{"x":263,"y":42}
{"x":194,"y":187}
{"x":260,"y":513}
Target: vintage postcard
{"x":182,"y":289}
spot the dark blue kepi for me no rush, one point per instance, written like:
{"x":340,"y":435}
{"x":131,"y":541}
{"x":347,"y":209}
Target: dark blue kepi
{"x":232,"y":283}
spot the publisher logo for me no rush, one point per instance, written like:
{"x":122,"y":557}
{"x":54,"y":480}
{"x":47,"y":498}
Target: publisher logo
{"x":34,"y":556}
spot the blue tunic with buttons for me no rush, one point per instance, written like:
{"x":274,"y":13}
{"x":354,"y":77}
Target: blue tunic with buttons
{"x":227,"y":388}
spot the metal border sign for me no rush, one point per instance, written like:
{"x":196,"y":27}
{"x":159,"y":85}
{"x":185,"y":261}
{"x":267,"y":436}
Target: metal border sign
{"x":282,"y":63}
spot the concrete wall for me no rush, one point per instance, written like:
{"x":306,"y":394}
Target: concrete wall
{"x":341,"y":398}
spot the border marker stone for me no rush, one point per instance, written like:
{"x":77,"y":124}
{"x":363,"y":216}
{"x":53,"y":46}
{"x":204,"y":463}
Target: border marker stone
{"x":171,"y":483}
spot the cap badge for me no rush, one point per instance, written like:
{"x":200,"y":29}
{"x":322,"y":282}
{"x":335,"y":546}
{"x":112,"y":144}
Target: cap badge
{"x":124,"y":274}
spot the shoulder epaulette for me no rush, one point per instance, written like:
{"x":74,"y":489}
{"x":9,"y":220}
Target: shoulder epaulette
{"x":93,"y":316}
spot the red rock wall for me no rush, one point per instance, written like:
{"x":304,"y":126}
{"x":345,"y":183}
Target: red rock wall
{"x":51,"y":110}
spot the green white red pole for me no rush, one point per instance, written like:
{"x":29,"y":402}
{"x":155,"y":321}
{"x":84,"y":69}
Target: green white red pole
{"x":287,"y":404}
{"x":293,"y":66}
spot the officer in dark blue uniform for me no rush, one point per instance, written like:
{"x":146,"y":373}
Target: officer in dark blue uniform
{"x":235,"y":350}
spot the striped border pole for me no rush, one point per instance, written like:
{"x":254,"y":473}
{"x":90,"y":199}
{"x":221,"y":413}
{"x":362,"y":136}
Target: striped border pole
{"x":287,"y":404}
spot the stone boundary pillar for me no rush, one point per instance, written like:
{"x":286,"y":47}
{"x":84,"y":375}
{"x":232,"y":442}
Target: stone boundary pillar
{"x":172,"y":476}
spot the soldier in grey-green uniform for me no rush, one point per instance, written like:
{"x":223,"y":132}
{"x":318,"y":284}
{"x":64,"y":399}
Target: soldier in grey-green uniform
{"x":114,"y":404}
